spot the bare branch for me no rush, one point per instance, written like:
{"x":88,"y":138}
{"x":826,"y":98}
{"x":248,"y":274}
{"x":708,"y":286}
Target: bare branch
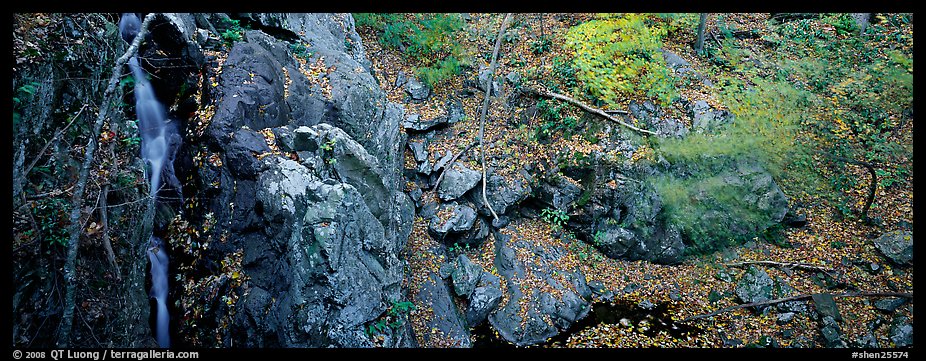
{"x":587,"y":108}
{"x":485,"y":109}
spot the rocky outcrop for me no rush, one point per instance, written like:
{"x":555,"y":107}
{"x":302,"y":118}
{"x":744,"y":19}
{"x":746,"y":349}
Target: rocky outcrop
{"x":321,"y":226}
{"x":543,"y":295}
{"x":897,"y":246}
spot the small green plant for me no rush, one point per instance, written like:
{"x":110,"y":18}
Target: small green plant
{"x":541,"y":45}
{"x":392,"y":319}
{"x":598,"y":238}
{"x":557,"y":218}
{"x":22,"y":93}
{"x":233,"y":32}
{"x":52,"y":214}
{"x":301,"y":51}
{"x":329,"y":145}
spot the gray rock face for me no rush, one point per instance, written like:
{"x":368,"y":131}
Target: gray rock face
{"x":454,"y":113}
{"x":484,"y":298}
{"x":825,"y":306}
{"x":657,"y":121}
{"x":484,"y":78}
{"x":896,"y":246}
{"x":531,"y":315}
{"x":558,"y":193}
{"x":457,"y":181}
{"x":755,"y":286}
{"x":416,"y":90}
{"x":321,"y":235}
{"x":706,"y":119}
{"x":832,"y":333}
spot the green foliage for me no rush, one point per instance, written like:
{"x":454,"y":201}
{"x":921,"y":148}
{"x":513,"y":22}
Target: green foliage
{"x":843,"y":23}
{"x":429,"y":40}
{"x":393,"y":318}
{"x":20,"y":96}
{"x":557,"y":218}
{"x":52,"y":217}
{"x":618,"y":56}
{"x":541,"y":45}
{"x":233,"y":32}
{"x":301,"y":51}
{"x":553,"y":121}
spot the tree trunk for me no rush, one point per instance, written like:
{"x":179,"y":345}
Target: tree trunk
{"x":485,"y":109}
{"x":699,"y":46}
{"x":861,"y":19}
{"x":77,"y":200}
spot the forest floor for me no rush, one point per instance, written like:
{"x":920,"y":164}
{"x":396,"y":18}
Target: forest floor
{"x":700,"y":284}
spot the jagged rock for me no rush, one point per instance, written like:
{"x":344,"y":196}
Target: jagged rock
{"x":419,"y":150}
{"x":483,"y":299}
{"x":825,"y":306}
{"x":451,"y":218}
{"x":305,"y":139}
{"x":465,"y":275}
{"x":705,"y":118}
{"x":673,"y":60}
{"x":531,"y":315}
{"x":755,"y":286}
{"x":457,"y":180}
{"x":785,"y":318}
{"x":782,"y":290}
{"x":442,"y":162}
{"x":416,"y":90}
{"x":559,"y":192}
{"x":832,"y":333}
{"x":455,"y":111}
{"x":657,"y":121}
{"x":901,"y":332}
{"x":503,"y":194}
{"x":896,"y":246}
{"x":889,"y":305}
{"x":451,"y":326}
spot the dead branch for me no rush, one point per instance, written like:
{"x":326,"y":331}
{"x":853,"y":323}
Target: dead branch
{"x":485,"y":110}
{"x":586,"y":107}
{"x":798,"y":298}
{"x":74,"y":226}
{"x":104,"y":222}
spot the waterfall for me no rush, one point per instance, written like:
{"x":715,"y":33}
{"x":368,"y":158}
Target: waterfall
{"x":159,"y":141}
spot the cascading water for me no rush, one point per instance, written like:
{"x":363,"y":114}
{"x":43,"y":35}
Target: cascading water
{"x":159,"y":141}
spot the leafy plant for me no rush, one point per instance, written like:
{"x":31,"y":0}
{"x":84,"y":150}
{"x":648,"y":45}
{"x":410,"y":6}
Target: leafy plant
{"x":616,"y":57}
{"x":233,"y":32}
{"x":541,"y":45}
{"x":557,"y":218}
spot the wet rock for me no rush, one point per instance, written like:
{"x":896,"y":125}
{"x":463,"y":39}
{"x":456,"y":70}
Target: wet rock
{"x":417,"y":90}
{"x":458,"y":179}
{"x":755,"y":286}
{"x":484,"y":299}
{"x":896,"y":246}
{"x":465,"y":275}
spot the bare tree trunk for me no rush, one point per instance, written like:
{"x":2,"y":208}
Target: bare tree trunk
{"x":74,"y":227}
{"x":587,"y":108}
{"x":699,"y":46}
{"x":861,"y":19}
{"x":485,"y":110}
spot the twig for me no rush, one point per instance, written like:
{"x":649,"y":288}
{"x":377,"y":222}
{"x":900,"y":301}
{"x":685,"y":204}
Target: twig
{"x":104,"y":222}
{"x":52,"y":140}
{"x":485,"y":110}
{"x":52,"y":193}
{"x":74,"y":229}
{"x":450,"y":163}
{"x":798,"y":298}
{"x":587,"y":108}
{"x":804,"y":266}
{"x":714,"y":36}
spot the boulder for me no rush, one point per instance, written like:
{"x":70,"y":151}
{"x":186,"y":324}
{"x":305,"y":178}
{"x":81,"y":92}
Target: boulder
{"x":901,"y":332}
{"x":755,"y":286}
{"x":503,"y":194}
{"x":447,"y":325}
{"x":451,"y":218}
{"x":417,"y":90}
{"x":484,"y":298}
{"x":465,"y":275}
{"x":458,"y":179}
{"x":484,"y":78}
{"x":896,"y":246}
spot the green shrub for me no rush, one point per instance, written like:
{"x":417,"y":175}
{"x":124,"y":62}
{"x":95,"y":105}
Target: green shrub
{"x":616,"y":57}
{"x":430,"y":40}
{"x":557,"y":218}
